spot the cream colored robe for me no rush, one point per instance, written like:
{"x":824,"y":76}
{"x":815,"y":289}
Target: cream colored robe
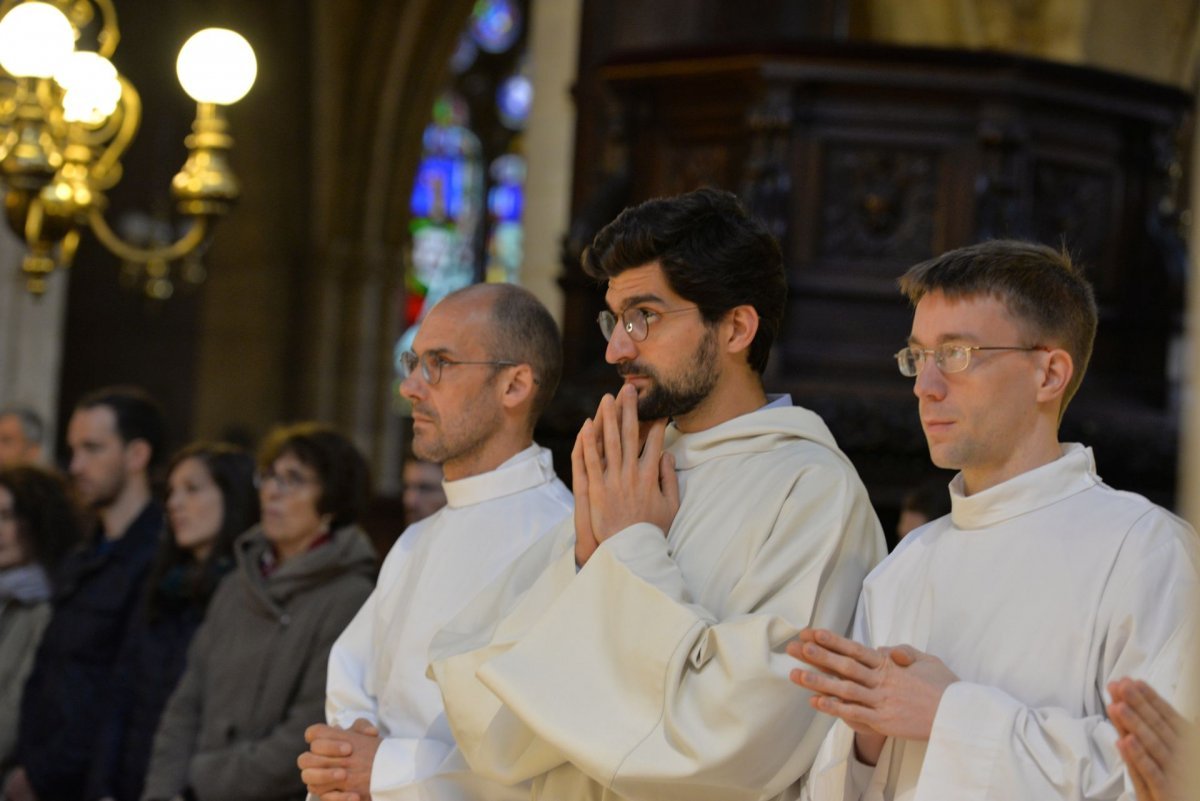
{"x":658,"y":672}
{"x":1036,"y":592}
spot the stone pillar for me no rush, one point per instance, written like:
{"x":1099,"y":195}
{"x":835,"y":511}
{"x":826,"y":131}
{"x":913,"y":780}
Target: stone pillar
{"x":31,"y":337}
{"x":549,"y":143}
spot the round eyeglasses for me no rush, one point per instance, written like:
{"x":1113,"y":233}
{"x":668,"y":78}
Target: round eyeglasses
{"x":948,"y":358}
{"x":636,"y":321}
{"x":432,"y":362}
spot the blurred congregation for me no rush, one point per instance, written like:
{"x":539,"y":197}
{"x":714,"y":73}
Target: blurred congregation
{"x":223,"y":511}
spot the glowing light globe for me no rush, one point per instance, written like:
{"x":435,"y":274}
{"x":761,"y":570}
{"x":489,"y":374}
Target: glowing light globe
{"x":34,"y":39}
{"x":92,"y":89}
{"x":216,"y":65}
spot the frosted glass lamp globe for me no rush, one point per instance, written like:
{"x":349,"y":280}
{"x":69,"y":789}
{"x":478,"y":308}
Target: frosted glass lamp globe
{"x":216,"y":65}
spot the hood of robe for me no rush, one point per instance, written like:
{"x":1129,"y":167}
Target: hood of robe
{"x":348,"y":551}
{"x":762,"y":430}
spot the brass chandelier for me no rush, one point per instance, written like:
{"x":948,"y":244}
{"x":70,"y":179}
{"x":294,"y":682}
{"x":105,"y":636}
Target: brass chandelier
{"x":67,"y":117}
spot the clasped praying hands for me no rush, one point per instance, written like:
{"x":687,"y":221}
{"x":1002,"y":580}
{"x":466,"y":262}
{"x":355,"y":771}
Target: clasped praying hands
{"x":617,"y":479}
{"x":338,"y":764}
{"x":879,"y":692}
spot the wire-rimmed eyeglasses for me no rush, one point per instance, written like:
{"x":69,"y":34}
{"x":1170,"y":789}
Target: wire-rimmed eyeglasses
{"x":948,"y":358}
{"x":432,"y":363}
{"x":635,"y":319}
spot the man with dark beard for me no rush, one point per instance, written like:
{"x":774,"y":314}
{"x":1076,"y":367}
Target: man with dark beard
{"x":639,"y":651}
{"x":484,"y":364}
{"x":117,"y":436}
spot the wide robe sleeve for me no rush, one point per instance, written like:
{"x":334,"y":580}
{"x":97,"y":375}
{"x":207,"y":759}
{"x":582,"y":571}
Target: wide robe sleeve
{"x":624,"y":675}
{"x":400,"y":760}
{"x":987,"y":745}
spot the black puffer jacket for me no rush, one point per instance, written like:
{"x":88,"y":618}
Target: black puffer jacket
{"x":255,"y":678}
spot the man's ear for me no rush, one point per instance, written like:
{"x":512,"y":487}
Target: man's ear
{"x":517,"y":385}
{"x":137,"y":456}
{"x":1055,"y":375}
{"x":741,"y":323}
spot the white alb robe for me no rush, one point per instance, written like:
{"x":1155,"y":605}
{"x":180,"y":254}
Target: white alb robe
{"x":1036,"y":593}
{"x":658,"y":670}
{"x":377,"y":666}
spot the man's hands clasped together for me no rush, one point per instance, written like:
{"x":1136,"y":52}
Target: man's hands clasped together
{"x":878,"y":692}
{"x":617,"y":481}
{"x":337,"y":766}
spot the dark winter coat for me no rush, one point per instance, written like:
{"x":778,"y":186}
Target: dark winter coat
{"x":98,"y":588}
{"x":255,"y":678}
{"x":147,"y":672}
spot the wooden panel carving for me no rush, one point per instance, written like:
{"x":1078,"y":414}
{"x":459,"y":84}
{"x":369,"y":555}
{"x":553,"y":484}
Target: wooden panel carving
{"x":878,"y":203}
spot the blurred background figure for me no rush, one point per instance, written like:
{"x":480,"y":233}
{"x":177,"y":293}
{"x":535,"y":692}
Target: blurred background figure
{"x":210,"y":501}
{"x":117,"y":437}
{"x":255,"y":677}
{"x":38,"y":525}
{"x":927,"y":501}
{"x":21,"y":434}
{"x":423,"y":493}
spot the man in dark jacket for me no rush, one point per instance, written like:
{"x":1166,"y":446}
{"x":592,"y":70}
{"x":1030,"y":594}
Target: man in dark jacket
{"x":117,"y":437}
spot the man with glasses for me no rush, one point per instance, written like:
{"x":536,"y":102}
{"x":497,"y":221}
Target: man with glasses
{"x":638,"y":651}
{"x":984,"y":647}
{"x":484,"y":364}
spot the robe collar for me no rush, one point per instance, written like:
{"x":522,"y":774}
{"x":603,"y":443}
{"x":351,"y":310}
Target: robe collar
{"x":529,"y":468}
{"x":1071,"y":473}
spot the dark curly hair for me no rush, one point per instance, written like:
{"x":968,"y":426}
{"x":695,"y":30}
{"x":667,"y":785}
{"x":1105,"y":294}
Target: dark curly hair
{"x":712,"y":253}
{"x":48,"y":521}
{"x":232,"y":470}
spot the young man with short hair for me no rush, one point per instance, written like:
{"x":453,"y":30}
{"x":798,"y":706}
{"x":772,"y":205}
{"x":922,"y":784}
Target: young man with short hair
{"x":117,"y":436}
{"x":983,"y":645}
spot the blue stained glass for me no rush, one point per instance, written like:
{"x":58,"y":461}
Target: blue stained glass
{"x":505,"y":202}
{"x":495,"y":24}
{"x":514,"y":98}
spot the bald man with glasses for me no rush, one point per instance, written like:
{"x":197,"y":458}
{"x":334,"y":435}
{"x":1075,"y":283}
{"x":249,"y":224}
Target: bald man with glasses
{"x":638,"y":651}
{"x":986,"y":647}
{"x":484,"y":364}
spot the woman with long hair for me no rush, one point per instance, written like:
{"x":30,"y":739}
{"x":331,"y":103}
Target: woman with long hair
{"x":38,"y":525}
{"x":210,"y":501}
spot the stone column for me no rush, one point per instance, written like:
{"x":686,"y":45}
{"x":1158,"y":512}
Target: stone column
{"x":549,"y":143}
{"x":31,"y":337}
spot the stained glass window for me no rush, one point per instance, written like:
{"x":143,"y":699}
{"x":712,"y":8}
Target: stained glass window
{"x":468,"y":193}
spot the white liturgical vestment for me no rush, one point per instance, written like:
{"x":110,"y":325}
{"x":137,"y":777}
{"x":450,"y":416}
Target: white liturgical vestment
{"x":1036,"y":593}
{"x":377,"y":666}
{"x":658,"y":670}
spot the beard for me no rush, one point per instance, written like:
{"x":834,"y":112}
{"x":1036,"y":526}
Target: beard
{"x":676,"y":396}
{"x":464,"y":436}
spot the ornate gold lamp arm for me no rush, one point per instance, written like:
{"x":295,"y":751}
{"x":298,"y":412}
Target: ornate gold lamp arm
{"x":139,"y":255}
{"x":68,"y":118}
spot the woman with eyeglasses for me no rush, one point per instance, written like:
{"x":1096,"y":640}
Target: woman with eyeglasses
{"x":38,"y":525}
{"x":210,"y":501}
{"x":255,"y":677}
